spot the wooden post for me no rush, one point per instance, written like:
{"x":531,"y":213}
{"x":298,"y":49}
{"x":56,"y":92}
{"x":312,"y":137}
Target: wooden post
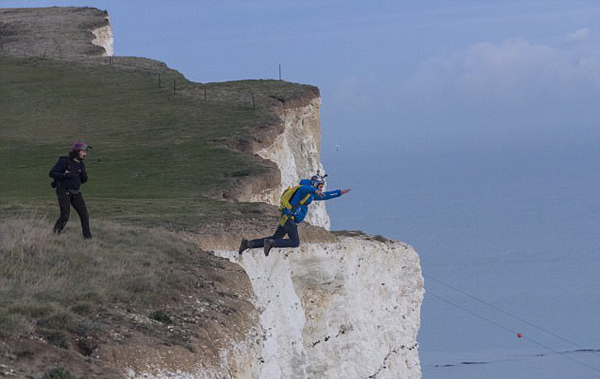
{"x":279,"y":71}
{"x":174,"y":86}
{"x":253,"y":102}
{"x":158,"y":80}
{"x":204,"y":93}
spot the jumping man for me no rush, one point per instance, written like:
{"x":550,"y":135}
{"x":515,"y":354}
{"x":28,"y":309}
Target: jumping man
{"x":292,"y":214}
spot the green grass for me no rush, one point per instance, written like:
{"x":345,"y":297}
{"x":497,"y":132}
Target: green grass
{"x":157,"y":157}
{"x":58,"y":373}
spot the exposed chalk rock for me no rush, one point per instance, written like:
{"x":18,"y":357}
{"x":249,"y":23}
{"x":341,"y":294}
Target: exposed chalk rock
{"x":104,"y":38}
{"x":349,"y":309}
{"x":297,"y":153}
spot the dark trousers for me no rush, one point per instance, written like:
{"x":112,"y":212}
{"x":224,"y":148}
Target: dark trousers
{"x":290,"y":228}
{"x":65,"y":200}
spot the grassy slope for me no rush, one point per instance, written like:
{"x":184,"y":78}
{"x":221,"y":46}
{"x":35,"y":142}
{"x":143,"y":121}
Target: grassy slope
{"x":63,"y":300}
{"x":156,"y":157}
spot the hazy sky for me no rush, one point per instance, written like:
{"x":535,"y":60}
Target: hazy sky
{"x":401,"y":76}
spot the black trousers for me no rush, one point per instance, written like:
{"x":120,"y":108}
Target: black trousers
{"x":65,"y":200}
{"x":290,"y":228}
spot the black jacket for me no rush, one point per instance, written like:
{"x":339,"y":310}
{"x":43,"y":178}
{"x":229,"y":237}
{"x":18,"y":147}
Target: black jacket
{"x":72,"y":179}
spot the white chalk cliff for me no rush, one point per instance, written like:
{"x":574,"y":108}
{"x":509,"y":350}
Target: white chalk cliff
{"x":297,"y":153}
{"x":345,"y":309}
{"x":348,"y":309}
{"x":103,"y":37}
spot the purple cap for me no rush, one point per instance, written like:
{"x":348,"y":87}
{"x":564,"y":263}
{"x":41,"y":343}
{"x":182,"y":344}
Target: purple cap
{"x":80,"y":146}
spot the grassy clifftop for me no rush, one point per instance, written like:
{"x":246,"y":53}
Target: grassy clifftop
{"x":58,"y":32}
{"x":159,"y":155}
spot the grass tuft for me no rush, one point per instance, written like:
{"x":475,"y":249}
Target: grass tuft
{"x":57,"y":338}
{"x":58,"y":373}
{"x":161,"y":316}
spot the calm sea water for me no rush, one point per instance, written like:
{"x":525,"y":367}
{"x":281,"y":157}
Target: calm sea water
{"x":518,"y":230}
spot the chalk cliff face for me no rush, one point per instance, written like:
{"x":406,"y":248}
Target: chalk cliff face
{"x":348,"y":309}
{"x":343,"y":309}
{"x":103,"y":37}
{"x":297,"y":153}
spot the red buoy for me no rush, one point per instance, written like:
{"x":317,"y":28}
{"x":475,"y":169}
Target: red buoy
{"x":520,"y":335}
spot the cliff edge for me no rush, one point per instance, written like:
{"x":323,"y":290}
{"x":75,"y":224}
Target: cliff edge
{"x":57,"y":32}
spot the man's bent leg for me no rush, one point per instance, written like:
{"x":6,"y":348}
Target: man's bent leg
{"x":279,"y":233}
{"x":291,"y":229}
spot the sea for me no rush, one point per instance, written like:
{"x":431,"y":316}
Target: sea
{"x":509,"y":243}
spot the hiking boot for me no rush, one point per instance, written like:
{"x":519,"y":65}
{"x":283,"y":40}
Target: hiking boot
{"x":244,"y":246}
{"x":268,"y":246}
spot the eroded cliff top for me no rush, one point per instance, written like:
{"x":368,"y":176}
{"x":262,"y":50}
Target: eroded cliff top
{"x":57,"y":32}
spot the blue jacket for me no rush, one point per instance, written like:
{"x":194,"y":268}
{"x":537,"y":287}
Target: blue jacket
{"x":306,"y":189}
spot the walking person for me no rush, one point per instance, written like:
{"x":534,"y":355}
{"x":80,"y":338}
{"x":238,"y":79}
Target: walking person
{"x":294,"y":210}
{"x":69,"y":174}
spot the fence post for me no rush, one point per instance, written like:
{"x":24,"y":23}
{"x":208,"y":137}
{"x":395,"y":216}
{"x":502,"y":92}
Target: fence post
{"x":158,"y":80}
{"x":204,"y":93}
{"x":253,"y":102}
{"x":174,"y":86}
{"x":1,"y":37}
{"x":279,"y":71}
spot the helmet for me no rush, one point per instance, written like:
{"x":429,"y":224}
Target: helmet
{"x":317,"y":179}
{"x":80,"y":146}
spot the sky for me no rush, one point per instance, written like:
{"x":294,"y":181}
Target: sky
{"x":482,"y":116}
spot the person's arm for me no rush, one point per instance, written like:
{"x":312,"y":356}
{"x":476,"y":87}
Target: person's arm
{"x":58,"y":171}
{"x":330,"y":194}
{"x":83,"y":174}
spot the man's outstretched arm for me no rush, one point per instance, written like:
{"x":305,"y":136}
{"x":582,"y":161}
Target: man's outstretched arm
{"x":331,"y":194}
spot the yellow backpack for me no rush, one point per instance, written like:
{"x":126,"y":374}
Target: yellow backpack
{"x":286,"y":197}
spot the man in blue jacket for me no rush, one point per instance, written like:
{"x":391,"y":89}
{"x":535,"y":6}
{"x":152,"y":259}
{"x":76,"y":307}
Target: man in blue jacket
{"x":68,"y":174}
{"x":308,"y":191}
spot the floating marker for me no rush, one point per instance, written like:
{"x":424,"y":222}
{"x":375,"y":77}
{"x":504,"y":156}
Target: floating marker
{"x":520,"y":335}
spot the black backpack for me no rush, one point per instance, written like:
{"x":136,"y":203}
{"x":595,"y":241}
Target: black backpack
{"x":54,"y":183}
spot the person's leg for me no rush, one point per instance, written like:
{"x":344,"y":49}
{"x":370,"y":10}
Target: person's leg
{"x":64,"y":203}
{"x":279,"y":233}
{"x":291,"y":229}
{"x":79,"y":204}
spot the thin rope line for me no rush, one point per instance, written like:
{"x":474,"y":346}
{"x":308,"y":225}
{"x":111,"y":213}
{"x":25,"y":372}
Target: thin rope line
{"x":508,"y":313}
{"x":512,"y":331}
